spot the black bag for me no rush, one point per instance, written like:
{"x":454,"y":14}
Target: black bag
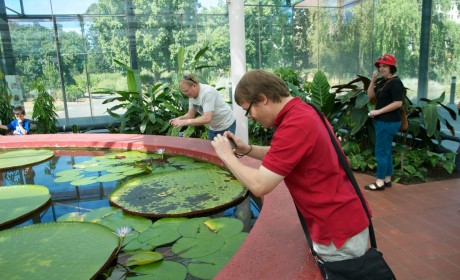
{"x":370,"y":266}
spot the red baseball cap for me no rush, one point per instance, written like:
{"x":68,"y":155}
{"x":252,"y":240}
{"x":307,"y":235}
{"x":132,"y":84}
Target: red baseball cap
{"x":387,"y":59}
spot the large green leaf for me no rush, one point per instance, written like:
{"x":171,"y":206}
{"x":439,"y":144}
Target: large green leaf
{"x":98,"y":214}
{"x":120,"y":219}
{"x":67,"y":250}
{"x":163,"y":270}
{"x":190,"y":228}
{"x":14,"y":159}
{"x":160,"y":236}
{"x":17,"y":202}
{"x":141,"y":258}
{"x":430,"y":117}
{"x":225,"y":227}
{"x":321,"y":96}
{"x":205,"y":243}
{"x":180,"y":193}
{"x":205,"y":270}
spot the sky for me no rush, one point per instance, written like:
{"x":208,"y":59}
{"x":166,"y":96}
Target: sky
{"x":40,"y":7}
{"x":60,"y":7}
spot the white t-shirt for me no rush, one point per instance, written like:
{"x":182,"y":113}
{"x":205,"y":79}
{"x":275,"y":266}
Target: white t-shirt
{"x":209,"y":100}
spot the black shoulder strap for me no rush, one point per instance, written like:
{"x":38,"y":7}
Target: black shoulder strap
{"x":349,"y":172}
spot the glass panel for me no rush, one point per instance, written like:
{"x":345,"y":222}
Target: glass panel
{"x":343,"y":42}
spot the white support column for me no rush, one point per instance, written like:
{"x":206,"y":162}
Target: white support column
{"x":238,"y":60}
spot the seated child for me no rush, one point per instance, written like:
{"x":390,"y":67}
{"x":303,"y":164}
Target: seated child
{"x":19,"y":126}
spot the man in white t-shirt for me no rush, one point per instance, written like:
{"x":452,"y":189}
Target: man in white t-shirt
{"x":205,"y":100}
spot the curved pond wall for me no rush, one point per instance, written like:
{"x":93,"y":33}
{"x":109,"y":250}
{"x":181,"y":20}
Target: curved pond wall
{"x":275,"y":248}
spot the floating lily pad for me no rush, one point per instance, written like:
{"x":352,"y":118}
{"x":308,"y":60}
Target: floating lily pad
{"x":120,"y":219}
{"x":69,"y":172}
{"x":164,"y":169}
{"x":204,"y":270}
{"x":141,"y":258}
{"x":63,"y":179}
{"x":15,"y":159}
{"x":97,"y":167}
{"x":180,"y":193}
{"x":225,"y":227}
{"x":233,"y":243}
{"x":190,"y":228}
{"x":119,"y":169}
{"x":84,"y":181}
{"x":160,"y":233}
{"x":85,"y":164}
{"x":56,"y":251}
{"x":71,"y":217}
{"x":18,"y":202}
{"x":111,"y":177}
{"x":138,"y":155}
{"x":97,"y":214}
{"x":180,"y":160}
{"x":134,"y":171}
{"x":135,"y":245}
{"x":204,"y":244}
{"x":164,"y":270}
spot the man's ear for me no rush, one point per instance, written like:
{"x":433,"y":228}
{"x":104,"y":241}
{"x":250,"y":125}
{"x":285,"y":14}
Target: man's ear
{"x":263,"y":98}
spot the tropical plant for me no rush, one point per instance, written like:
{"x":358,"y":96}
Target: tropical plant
{"x":147,"y":110}
{"x":424,"y":118}
{"x":423,"y":133}
{"x":346,"y":106}
{"x":44,"y":112}
{"x":410,"y":163}
{"x":6,"y":110}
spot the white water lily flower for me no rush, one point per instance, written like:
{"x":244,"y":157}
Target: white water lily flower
{"x":123,"y":231}
{"x":160,"y":151}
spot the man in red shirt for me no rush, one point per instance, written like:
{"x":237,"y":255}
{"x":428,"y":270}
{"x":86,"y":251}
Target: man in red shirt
{"x":302,"y":154}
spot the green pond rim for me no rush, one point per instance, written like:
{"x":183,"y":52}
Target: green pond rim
{"x":275,"y":248}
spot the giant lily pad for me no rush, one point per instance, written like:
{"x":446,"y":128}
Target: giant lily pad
{"x":19,"y":202}
{"x":182,"y":193}
{"x":69,"y":250}
{"x":15,"y":159}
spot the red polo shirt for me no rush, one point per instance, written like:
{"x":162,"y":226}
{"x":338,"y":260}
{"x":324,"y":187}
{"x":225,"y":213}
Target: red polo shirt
{"x":302,"y":151}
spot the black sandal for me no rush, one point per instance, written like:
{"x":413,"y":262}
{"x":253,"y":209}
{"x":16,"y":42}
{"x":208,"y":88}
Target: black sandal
{"x":374,"y":187}
{"x":387,"y":184}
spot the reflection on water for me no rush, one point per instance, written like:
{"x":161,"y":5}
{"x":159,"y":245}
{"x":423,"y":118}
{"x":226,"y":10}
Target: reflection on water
{"x":67,"y":198}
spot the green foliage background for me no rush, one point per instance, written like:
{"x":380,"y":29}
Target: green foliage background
{"x":340,"y":42}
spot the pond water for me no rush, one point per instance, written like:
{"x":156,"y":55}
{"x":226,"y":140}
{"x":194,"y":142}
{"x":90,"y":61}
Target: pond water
{"x":67,"y":198}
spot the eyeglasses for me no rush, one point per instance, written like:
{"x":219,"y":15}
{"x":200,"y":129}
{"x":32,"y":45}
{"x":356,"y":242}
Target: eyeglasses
{"x":248,"y":110}
{"x":18,"y":114}
{"x":383,"y":57}
{"x":188,"y":79}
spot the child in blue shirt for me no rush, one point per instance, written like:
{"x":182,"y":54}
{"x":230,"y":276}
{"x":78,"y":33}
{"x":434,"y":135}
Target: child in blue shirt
{"x":19,"y":126}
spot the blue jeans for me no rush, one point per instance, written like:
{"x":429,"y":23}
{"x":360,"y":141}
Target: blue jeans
{"x":214,"y":133}
{"x":384,"y":134}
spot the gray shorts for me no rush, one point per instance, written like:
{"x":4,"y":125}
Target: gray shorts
{"x":354,"y":247}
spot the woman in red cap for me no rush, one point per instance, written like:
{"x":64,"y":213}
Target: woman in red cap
{"x":389,"y":93}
